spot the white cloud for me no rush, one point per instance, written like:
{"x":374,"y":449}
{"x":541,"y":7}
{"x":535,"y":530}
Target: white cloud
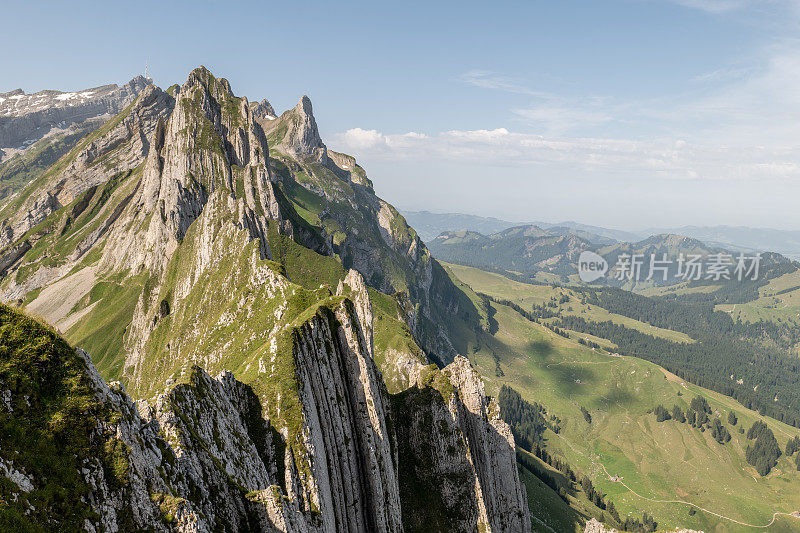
{"x":360,"y":139}
{"x":667,"y":159}
{"x":743,"y":126}
{"x":713,"y":6}
{"x":487,"y":79}
{"x":732,"y":134}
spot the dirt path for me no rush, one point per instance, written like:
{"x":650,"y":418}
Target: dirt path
{"x":768,"y":524}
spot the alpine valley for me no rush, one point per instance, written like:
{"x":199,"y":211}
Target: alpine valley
{"x":212,"y":323}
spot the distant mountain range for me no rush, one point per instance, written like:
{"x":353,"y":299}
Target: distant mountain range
{"x":735,"y":238}
{"x":523,"y":249}
{"x":37,"y":129}
{"x":531,"y":252}
{"x":783,"y":242}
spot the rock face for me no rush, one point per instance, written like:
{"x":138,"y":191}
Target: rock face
{"x":194,"y":232}
{"x":205,"y":455}
{"x":465,"y":478}
{"x":26,"y":118}
{"x":154,"y":168}
{"x":210,"y":143}
{"x":301,"y":138}
{"x":119,"y":146}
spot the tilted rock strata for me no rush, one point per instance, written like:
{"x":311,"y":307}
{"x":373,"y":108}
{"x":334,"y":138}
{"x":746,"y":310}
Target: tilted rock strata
{"x":174,"y":218}
{"x":25,"y":118}
{"x":121,"y":148}
{"x":204,"y":455}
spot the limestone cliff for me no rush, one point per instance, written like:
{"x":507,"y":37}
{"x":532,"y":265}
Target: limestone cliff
{"x":197,"y":230}
{"x":26,"y":118}
{"x":206,"y":454}
{"x":119,"y":146}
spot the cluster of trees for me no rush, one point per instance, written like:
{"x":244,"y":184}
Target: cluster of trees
{"x":586,"y":415}
{"x":528,"y":422}
{"x":599,"y":499}
{"x":699,"y":411}
{"x":763,"y":454}
{"x":544,"y":476}
{"x":718,"y":354}
{"x":792,"y":447}
{"x":698,"y":416}
{"x":556,"y":462}
{"x":661,"y":413}
{"x":557,"y":330}
{"x":590,"y":344}
{"x":646,"y":525}
{"x":720,"y":432}
{"x":538,"y":311}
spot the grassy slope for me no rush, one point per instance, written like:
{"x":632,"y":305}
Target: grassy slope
{"x":660,"y":461}
{"x":18,"y":171}
{"x":54,"y":427}
{"x":779,"y":301}
{"x":527,"y":295}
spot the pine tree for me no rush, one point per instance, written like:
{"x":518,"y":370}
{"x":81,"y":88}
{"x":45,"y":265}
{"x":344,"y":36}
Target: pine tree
{"x":792,"y":446}
{"x":661,"y":413}
{"x":763,"y":454}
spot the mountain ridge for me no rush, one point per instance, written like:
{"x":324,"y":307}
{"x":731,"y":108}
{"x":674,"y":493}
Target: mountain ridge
{"x":183,"y":235}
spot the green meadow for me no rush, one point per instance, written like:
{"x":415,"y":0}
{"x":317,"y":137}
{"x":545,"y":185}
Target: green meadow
{"x":660,"y":464}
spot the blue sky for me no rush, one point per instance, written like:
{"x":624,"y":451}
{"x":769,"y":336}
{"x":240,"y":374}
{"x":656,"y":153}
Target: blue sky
{"x":630,"y":113}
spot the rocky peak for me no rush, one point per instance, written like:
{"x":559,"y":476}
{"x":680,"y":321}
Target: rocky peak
{"x":185,"y":221}
{"x":300,"y":135}
{"x":27,"y":118}
{"x":201,"y":76}
{"x":136,"y":85}
{"x":211,"y":142}
{"x":263,"y":110}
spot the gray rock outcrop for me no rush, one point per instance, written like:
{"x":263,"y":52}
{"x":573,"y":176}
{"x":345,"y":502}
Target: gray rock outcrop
{"x":204,"y":454}
{"x":98,"y":158}
{"x":595,"y":526}
{"x":26,"y":118}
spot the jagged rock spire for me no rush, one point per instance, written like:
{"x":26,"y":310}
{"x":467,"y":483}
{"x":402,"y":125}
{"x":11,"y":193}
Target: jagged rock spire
{"x":263,"y":110}
{"x":302,"y":137}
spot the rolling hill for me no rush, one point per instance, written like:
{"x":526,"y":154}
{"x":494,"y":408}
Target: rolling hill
{"x":655,"y":460}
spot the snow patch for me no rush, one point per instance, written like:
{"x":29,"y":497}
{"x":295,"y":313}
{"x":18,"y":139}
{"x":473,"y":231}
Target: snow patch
{"x":270,"y":117}
{"x":66,"y":96}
